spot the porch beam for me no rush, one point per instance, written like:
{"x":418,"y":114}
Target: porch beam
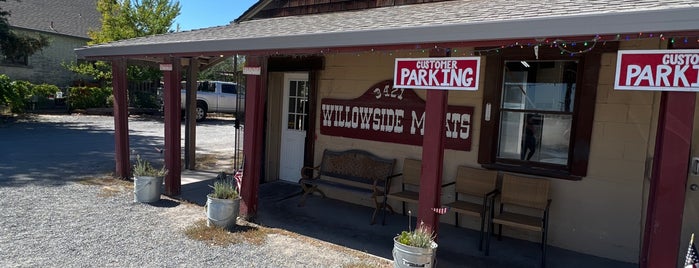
{"x":661,"y":240}
{"x":433,"y":152}
{"x":253,"y":143}
{"x":121,"y":118}
{"x":173,"y":149}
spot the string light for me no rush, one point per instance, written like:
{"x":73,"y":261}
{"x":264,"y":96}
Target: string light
{"x":575,"y":47}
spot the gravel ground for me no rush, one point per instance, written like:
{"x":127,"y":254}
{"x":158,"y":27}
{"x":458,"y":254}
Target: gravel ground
{"x":58,"y":220}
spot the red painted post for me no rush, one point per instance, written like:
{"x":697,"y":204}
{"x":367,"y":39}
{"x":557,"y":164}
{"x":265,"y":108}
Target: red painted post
{"x":253,"y":144}
{"x":433,"y":152}
{"x":661,"y":239}
{"x":121,"y":118}
{"x":173,"y":149}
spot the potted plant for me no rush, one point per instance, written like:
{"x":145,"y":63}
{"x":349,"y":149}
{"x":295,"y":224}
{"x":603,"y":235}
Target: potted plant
{"x":222,"y":204}
{"x":414,"y":248}
{"x":147,"y":181}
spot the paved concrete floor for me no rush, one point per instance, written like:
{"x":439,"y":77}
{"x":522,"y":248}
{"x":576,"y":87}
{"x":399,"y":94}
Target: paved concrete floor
{"x":348,"y":225}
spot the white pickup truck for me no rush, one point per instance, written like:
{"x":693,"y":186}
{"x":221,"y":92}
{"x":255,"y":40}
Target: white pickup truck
{"x":216,"y":97}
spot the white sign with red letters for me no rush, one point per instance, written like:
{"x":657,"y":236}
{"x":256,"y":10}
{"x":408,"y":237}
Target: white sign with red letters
{"x":457,"y":73}
{"x":660,"y":70}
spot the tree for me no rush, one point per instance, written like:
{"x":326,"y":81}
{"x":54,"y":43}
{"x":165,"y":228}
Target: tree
{"x":124,"y":19}
{"x":13,"y":45}
{"x":224,"y":71}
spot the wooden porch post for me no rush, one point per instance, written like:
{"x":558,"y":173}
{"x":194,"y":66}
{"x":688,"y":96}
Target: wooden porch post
{"x":253,"y":144}
{"x":173,"y":149}
{"x":190,"y":131}
{"x":121,"y":118}
{"x":433,"y":152}
{"x":661,"y":238}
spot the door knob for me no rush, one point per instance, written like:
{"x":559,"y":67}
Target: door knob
{"x":694,"y":187}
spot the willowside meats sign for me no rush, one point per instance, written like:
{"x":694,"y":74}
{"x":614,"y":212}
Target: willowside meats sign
{"x":666,"y":70}
{"x":388,"y":114}
{"x":437,"y":73}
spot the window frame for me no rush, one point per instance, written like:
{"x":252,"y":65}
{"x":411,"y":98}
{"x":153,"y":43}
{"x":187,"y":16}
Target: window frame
{"x":20,"y":61}
{"x":583,"y":110}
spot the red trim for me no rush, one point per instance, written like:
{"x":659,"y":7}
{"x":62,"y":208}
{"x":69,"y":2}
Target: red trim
{"x":121,"y":118}
{"x":253,"y":136}
{"x":661,"y":239}
{"x":173,"y":149}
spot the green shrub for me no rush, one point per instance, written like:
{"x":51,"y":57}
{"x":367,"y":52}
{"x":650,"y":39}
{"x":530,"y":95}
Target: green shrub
{"x":5,"y":89}
{"x":224,"y":189}
{"x":88,"y":97}
{"x":41,"y":93}
{"x":45,"y":90}
{"x":143,"y":99}
{"x":421,"y":237}
{"x":23,"y":95}
{"x":145,"y":168}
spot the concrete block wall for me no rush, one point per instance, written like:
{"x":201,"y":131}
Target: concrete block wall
{"x":45,"y":65}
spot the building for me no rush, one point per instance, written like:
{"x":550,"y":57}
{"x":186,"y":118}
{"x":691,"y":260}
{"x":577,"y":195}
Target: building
{"x":65,"y":23}
{"x":617,"y":160}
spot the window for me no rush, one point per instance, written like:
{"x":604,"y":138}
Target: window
{"x":541,"y":111}
{"x":206,"y":87}
{"x":298,"y":105}
{"x":228,"y":88}
{"x":536,"y":111}
{"x":14,"y":60}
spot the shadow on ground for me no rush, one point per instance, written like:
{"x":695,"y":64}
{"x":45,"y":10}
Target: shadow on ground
{"x":348,"y":225}
{"x":52,"y":153}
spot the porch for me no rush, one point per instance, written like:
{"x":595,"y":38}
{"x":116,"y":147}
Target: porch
{"x":350,"y":228}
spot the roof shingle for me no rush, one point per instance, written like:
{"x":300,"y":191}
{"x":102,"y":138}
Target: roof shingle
{"x":66,"y":17}
{"x":478,"y":15}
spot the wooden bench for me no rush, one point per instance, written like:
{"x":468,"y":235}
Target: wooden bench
{"x":356,"y":171}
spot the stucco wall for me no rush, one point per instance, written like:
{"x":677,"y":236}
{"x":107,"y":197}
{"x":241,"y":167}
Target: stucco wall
{"x":45,"y":65}
{"x":599,"y":215}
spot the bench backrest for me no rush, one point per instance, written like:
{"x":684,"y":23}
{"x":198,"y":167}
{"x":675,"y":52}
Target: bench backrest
{"x":411,"y":171}
{"x":355,"y":165}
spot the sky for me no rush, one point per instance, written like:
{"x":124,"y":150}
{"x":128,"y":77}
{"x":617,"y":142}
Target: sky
{"x":197,"y":14}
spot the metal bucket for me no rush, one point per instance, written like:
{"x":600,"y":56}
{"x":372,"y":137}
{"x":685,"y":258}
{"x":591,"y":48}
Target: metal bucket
{"x":405,"y":256}
{"x":222,"y":212}
{"x":146,"y":189}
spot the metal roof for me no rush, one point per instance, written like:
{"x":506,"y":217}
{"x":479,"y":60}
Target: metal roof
{"x":450,"y":21}
{"x":65,"y":17}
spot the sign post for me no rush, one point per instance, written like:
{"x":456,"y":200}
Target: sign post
{"x":437,"y":73}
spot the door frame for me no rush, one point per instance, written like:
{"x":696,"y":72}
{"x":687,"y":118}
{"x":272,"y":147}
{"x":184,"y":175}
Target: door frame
{"x":307,"y":64}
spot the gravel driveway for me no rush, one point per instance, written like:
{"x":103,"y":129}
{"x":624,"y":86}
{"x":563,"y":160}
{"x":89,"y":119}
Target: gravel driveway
{"x":52,"y":216}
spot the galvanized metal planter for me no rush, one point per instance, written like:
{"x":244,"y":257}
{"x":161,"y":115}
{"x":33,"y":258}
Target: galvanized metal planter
{"x":222,"y":212}
{"x":147,"y":189}
{"x":405,"y":256}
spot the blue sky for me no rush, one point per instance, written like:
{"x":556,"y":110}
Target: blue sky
{"x":196,"y":14}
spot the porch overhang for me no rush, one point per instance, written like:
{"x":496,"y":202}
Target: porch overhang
{"x":220,"y":39}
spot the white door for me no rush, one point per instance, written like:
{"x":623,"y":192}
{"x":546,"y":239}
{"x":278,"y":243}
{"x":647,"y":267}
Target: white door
{"x":294,"y":126}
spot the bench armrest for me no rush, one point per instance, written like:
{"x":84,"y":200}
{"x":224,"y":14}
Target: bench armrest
{"x":304,"y":172}
{"x":448,"y":184}
{"x":387,"y":182}
{"x":394,"y":175}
